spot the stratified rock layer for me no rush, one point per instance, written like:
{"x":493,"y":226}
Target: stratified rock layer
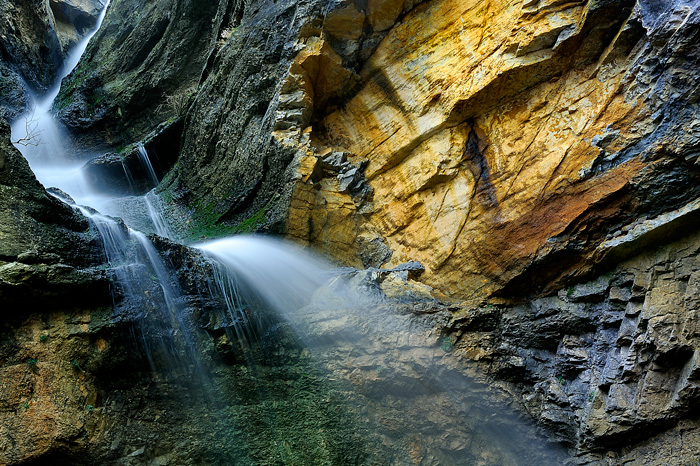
{"x":503,"y":143}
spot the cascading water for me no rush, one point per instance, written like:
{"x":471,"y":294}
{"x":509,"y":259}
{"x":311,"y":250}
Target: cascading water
{"x":132,"y":257}
{"x":378,"y":366}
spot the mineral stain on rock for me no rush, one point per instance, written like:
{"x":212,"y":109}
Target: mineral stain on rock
{"x":537,"y":160}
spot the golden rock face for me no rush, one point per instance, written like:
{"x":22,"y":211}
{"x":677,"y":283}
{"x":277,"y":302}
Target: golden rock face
{"x":481,"y":124}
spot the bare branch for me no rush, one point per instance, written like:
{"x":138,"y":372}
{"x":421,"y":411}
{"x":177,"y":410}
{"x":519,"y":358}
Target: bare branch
{"x":32,"y":132}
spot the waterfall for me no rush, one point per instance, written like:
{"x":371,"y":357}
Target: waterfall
{"x":146,"y":164}
{"x":141,"y":275}
{"x":382,"y":366}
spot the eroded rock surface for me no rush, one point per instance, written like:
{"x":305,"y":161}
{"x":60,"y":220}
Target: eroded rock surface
{"x":604,"y":363}
{"x":503,"y":144}
{"x":140,"y":70}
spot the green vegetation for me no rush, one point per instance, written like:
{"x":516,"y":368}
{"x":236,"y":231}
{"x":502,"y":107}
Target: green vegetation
{"x":69,"y":86}
{"x":207,"y":226}
{"x":179,"y":102}
{"x":75,"y":364}
{"x":89,"y":408}
{"x":43,"y":338}
{"x":447,"y":345}
{"x":253,"y":223}
{"x":32,"y":361}
{"x":294,"y":416}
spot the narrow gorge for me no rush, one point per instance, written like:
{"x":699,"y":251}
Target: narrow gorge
{"x":349,"y":232}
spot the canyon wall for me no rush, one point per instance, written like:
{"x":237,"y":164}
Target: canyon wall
{"x":37,"y":36}
{"x":537,"y":157}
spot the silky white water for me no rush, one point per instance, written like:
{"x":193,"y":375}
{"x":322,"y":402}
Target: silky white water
{"x":382,"y":359}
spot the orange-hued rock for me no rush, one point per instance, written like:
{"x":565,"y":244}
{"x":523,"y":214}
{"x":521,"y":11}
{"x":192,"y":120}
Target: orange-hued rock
{"x":47,"y":401}
{"x":345,"y":23}
{"x":315,"y":77}
{"x":479,"y":124}
{"x":383,"y":13}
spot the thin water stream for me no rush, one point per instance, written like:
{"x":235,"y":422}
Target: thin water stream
{"x":409,"y":399}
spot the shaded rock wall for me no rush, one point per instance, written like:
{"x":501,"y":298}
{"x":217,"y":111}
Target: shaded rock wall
{"x":53,"y":288}
{"x":46,"y":248}
{"x":37,"y":35}
{"x":140,"y":70}
{"x":608,"y":366}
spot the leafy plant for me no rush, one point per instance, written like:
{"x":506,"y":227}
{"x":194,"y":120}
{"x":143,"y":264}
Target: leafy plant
{"x":89,"y":408}
{"x":75,"y":364}
{"x":43,"y":338}
{"x":32,"y":361}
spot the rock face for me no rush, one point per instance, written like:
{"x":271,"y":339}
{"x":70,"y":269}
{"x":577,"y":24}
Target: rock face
{"x":49,"y":261}
{"x":499,"y":156}
{"x":539,"y":158}
{"x":608,"y":366}
{"x":74,"y":18}
{"x":502,"y":145}
{"x":139,"y":71}
{"x":46,"y":247}
{"x":36,"y":37}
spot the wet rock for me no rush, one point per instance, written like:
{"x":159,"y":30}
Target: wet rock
{"x":74,"y":19}
{"x":129,"y":173}
{"x":140,"y":70}
{"x":596,"y":379}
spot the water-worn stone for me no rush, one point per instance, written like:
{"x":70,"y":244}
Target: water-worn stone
{"x":138,"y":73}
{"x":47,"y":251}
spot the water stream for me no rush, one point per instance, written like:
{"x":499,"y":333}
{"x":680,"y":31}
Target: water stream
{"x":403,"y":392}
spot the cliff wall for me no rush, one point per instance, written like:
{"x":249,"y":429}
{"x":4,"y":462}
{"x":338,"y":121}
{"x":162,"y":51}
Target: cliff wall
{"x":538,"y":157}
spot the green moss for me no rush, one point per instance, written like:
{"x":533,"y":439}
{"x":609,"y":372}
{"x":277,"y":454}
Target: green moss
{"x":447,"y":344}
{"x":208,"y":227}
{"x":69,"y":86}
{"x":294,"y":416}
{"x":254,"y":222}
